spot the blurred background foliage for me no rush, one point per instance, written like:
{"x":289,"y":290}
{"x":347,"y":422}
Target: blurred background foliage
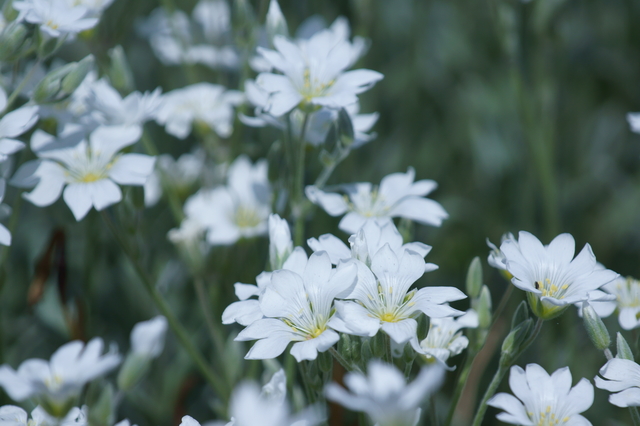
{"x":516,"y":109}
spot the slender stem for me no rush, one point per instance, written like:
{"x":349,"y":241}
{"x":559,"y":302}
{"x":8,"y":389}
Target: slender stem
{"x":503,"y":302}
{"x":433,"y":413}
{"x":304,"y":372}
{"x":182,"y":335}
{"x":214,"y":331}
{"x":635,"y":417}
{"x":387,"y":348}
{"x":608,"y":354}
{"x":328,"y":169}
{"x":506,"y":360}
{"x":346,"y":364}
{"x":174,"y":200}
{"x":462,"y":380}
{"x":407,"y":369}
{"x":14,"y":95}
{"x":298,"y":205}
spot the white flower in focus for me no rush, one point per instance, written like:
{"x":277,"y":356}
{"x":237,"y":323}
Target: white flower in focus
{"x":382,"y":299}
{"x":384,"y":393}
{"x":299,"y":308}
{"x":634,"y":121}
{"x":247,"y":311}
{"x":147,"y":337}
{"x":544,"y":399}
{"x":313,"y":73}
{"x":206,"y":103}
{"x":397,"y":196}
{"x":55,"y":384}
{"x":371,"y":237}
{"x":445,"y":338}
{"x":240,"y":209}
{"x":621,"y":376}
{"x":280,"y":244}
{"x":89,"y":170}
{"x":134,"y":110}
{"x":13,"y":124}
{"x":56,"y":17}
{"x":550,"y":275}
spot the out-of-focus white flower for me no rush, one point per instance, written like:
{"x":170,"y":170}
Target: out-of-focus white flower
{"x":623,"y":377}
{"x":373,"y":235}
{"x":550,"y":275}
{"x":238,"y":210}
{"x":96,"y":7}
{"x":134,"y":110}
{"x":56,"y":17}
{"x":5,"y":235}
{"x":247,"y":311}
{"x":180,"y":175}
{"x":214,"y":17}
{"x":124,"y":422}
{"x":384,"y":393}
{"x":445,"y":338}
{"x":276,"y":388}
{"x":280,"y":244}
{"x":89,"y":170}
{"x":634,"y":121}
{"x":624,"y":295}
{"x":544,"y":399}
{"x":397,"y":196}
{"x":209,"y":104}
{"x":313,"y":73}
{"x":14,"y":124}
{"x":299,"y":308}
{"x":56,"y":384}
{"x":10,"y":415}
{"x":382,"y":300}
{"x":147,"y":337}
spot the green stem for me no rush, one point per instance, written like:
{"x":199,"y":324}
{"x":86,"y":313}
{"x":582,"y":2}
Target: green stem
{"x":635,"y":417}
{"x":174,"y":200}
{"x":346,"y":364}
{"x":214,"y":332}
{"x":14,"y":95}
{"x":298,"y":204}
{"x":387,"y":348}
{"x":180,"y":332}
{"x":505,"y":363}
{"x":462,"y":380}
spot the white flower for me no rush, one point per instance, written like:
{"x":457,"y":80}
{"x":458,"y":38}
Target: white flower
{"x":10,"y":415}
{"x":5,"y":235}
{"x":209,"y":104}
{"x":134,"y":110}
{"x":496,"y":258}
{"x":13,"y":124}
{"x":371,"y":237}
{"x":397,"y":196}
{"x":543,"y":399}
{"x":299,"y":308}
{"x":313,"y":73}
{"x":384,"y":393}
{"x":280,"y":244}
{"x":382,"y":299}
{"x":96,"y":7}
{"x":623,"y":377}
{"x":634,"y":121}
{"x":89,"y":171}
{"x":247,"y":311}
{"x":550,"y":275}
{"x":124,"y":422}
{"x":147,"y":337}
{"x":624,"y":295}
{"x":180,"y":175}
{"x":445,"y":339}
{"x":55,"y":384}
{"x":276,"y":389}
{"x":214,"y":16}
{"x":56,"y":17}
{"x":238,"y":210}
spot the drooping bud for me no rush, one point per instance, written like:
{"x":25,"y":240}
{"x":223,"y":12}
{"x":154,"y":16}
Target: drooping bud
{"x":276,"y":23}
{"x":596,"y":329}
{"x":119,"y":72}
{"x":77,"y":75}
{"x":624,"y":351}
{"x":58,"y":84}
{"x":474,"y":278}
{"x":514,"y":340}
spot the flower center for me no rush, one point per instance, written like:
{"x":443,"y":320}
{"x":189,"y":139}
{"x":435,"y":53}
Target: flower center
{"x":628,"y":293}
{"x":313,"y":88}
{"x":246,"y":217}
{"x":369,"y":204}
{"x":51,"y":25}
{"x":547,"y":418}
{"x":549,"y":289}
{"x":91,"y":177}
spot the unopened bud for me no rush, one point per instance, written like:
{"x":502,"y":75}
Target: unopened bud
{"x":379,"y":345}
{"x":365,"y":350}
{"x":483,"y":307}
{"x":133,"y":369}
{"x":119,"y":71}
{"x":101,"y":411}
{"x":596,"y":329}
{"x":12,"y":41}
{"x":345,"y":128}
{"x":9,"y":13}
{"x":276,"y":23}
{"x":77,"y":75}
{"x":514,"y":340}
{"x":624,"y":351}
{"x":325,"y":362}
{"x":474,"y":278}
{"x":520,"y":315}
{"x":61,"y":82}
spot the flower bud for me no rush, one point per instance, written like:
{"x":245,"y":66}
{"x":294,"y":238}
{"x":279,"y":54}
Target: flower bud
{"x":325,"y":362}
{"x":61,"y":82}
{"x":596,"y":329}
{"x":276,"y":23}
{"x":423,"y":326}
{"x":119,"y":72}
{"x":514,"y":340}
{"x":483,"y":307}
{"x":280,"y":244}
{"x":77,"y":75}
{"x":133,"y":369}
{"x":12,"y":41}
{"x":379,"y":345}
{"x":9,"y":13}
{"x":521,"y":314}
{"x":624,"y":351}
{"x":366,"y":351}
{"x":101,"y":411}
{"x":474,"y":278}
